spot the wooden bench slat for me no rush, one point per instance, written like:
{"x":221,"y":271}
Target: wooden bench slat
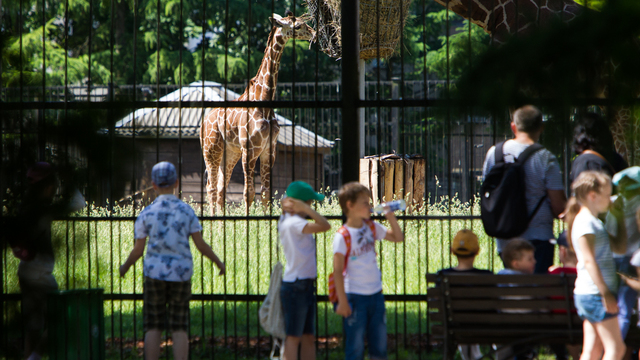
{"x":537,"y":304}
{"x":519,"y":280}
{"x":496,"y":292}
{"x":506,"y":319}
{"x":434,"y":292}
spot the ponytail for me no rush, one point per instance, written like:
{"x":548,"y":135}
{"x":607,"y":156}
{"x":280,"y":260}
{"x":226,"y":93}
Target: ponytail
{"x":572,"y":209}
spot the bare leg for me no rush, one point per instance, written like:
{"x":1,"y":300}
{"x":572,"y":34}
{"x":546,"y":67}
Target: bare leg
{"x":180,"y":345}
{"x":152,"y":344}
{"x":591,"y":345}
{"x":308,"y":349}
{"x":291,"y":345}
{"x":609,"y":333}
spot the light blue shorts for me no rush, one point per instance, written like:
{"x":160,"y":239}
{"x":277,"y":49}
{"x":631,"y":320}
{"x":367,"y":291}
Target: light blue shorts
{"x":590,"y":308}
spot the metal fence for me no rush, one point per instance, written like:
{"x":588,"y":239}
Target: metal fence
{"x":403,"y":115}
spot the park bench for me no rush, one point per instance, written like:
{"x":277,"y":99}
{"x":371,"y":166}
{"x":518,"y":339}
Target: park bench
{"x":501,"y":309}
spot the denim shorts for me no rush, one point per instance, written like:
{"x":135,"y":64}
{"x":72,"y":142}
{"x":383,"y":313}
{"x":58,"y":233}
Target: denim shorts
{"x":299,"y":306}
{"x":590,"y":308}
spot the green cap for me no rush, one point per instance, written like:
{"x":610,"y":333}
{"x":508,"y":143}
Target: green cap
{"x":302,"y":191}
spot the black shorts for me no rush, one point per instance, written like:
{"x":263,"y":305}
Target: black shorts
{"x":166,"y":302}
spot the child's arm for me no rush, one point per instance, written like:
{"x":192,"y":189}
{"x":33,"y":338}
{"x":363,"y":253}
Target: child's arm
{"x":394,"y":234}
{"x":296,"y":206}
{"x":586,"y":244}
{"x":136,"y":253}
{"x":343,"y":309}
{"x":206,"y":250}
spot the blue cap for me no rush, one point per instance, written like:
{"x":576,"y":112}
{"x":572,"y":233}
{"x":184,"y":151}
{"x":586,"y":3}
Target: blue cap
{"x":164,"y":174}
{"x":632,"y":173}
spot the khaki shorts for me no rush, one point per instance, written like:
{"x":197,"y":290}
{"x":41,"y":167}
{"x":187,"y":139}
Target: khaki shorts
{"x":166,"y":302}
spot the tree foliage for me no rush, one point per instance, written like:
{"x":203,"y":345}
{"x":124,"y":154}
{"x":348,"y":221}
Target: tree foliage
{"x":145,"y":41}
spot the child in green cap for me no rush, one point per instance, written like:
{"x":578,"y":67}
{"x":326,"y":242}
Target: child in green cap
{"x":300,"y":272}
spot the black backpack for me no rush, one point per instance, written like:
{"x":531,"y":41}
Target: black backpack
{"x":503,"y":202}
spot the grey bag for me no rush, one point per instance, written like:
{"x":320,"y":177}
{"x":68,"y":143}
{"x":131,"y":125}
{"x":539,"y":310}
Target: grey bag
{"x":271,"y":315}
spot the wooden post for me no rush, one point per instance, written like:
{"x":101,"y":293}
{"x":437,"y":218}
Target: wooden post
{"x":375,"y":181}
{"x":398,"y":185}
{"x":408,"y":189}
{"x":418,"y":182}
{"x":364,"y":173}
{"x":388,"y":179}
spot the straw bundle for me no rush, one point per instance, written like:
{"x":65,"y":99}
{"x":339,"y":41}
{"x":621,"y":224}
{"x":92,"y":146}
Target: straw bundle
{"x":381,"y":26}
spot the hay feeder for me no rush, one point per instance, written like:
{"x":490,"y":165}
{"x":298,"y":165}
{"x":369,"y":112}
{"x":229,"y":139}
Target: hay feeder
{"x":381,"y":26}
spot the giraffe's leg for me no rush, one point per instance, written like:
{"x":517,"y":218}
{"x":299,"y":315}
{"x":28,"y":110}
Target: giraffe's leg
{"x":212,"y":156}
{"x":267,"y":160}
{"x":248,"y":166}
{"x":226,"y":169}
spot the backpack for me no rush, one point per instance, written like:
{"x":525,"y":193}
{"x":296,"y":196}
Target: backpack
{"x":503,"y":202}
{"x":333,"y":295}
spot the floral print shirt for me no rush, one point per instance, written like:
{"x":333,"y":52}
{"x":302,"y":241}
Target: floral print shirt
{"x":168,"y":222}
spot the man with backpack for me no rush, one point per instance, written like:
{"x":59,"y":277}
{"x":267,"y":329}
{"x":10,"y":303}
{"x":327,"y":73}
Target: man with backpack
{"x":522,"y":191}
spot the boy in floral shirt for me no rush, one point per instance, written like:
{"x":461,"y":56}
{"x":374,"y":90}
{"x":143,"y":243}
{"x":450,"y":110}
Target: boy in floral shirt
{"x":168,"y":265}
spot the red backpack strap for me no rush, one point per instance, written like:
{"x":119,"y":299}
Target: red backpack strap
{"x":347,"y":239}
{"x":372,"y":226}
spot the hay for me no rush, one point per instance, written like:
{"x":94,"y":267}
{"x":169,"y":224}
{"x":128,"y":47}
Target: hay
{"x":389,"y":16}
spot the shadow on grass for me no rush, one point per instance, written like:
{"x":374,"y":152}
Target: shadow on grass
{"x":231,"y":330}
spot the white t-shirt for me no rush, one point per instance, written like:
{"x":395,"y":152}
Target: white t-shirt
{"x":584,"y":224}
{"x":629,"y":208}
{"x":635,"y":259}
{"x":299,"y":248}
{"x":543,"y":173}
{"x":363,"y":275}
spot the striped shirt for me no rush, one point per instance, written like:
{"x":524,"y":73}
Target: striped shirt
{"x":543,"y":173}
{"x":584,"y":224}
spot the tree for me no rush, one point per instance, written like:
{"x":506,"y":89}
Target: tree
{"x":144,"y":41}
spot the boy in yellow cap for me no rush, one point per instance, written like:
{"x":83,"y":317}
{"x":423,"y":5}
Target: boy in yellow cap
{"x":465,"y":247}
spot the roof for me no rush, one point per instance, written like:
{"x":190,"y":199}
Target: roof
{"x":167,"y":122}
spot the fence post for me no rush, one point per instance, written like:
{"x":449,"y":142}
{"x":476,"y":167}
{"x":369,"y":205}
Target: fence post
{"x":351,"y":91}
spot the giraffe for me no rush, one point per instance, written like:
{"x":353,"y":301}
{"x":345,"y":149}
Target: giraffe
{"x":503,"y":18}
{"x":249,"y":133}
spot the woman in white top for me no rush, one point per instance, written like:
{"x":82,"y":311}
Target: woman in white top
{"x":597,"y":281}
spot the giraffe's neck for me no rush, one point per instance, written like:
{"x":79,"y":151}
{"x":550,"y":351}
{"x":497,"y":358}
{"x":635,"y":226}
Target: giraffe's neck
{"x":502,"y":18}
{"x":263,"y":85}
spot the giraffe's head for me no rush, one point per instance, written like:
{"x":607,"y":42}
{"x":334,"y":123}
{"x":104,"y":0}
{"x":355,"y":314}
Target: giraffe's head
{"x":293,"y":27}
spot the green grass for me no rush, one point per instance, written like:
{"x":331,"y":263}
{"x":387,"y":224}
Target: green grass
{"x":89,"y":253}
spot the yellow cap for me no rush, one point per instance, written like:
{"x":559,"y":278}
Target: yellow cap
{"x":465,"y":243}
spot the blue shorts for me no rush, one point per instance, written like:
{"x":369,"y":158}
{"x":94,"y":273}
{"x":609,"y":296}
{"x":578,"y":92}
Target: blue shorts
{"x":590,"y":308}
{"x":299,"y":307}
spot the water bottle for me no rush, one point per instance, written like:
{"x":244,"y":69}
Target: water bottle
{"x":394,"y":205}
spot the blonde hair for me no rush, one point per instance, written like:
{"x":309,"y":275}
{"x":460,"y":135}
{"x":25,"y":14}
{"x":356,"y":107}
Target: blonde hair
{"x":586,"y":182}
